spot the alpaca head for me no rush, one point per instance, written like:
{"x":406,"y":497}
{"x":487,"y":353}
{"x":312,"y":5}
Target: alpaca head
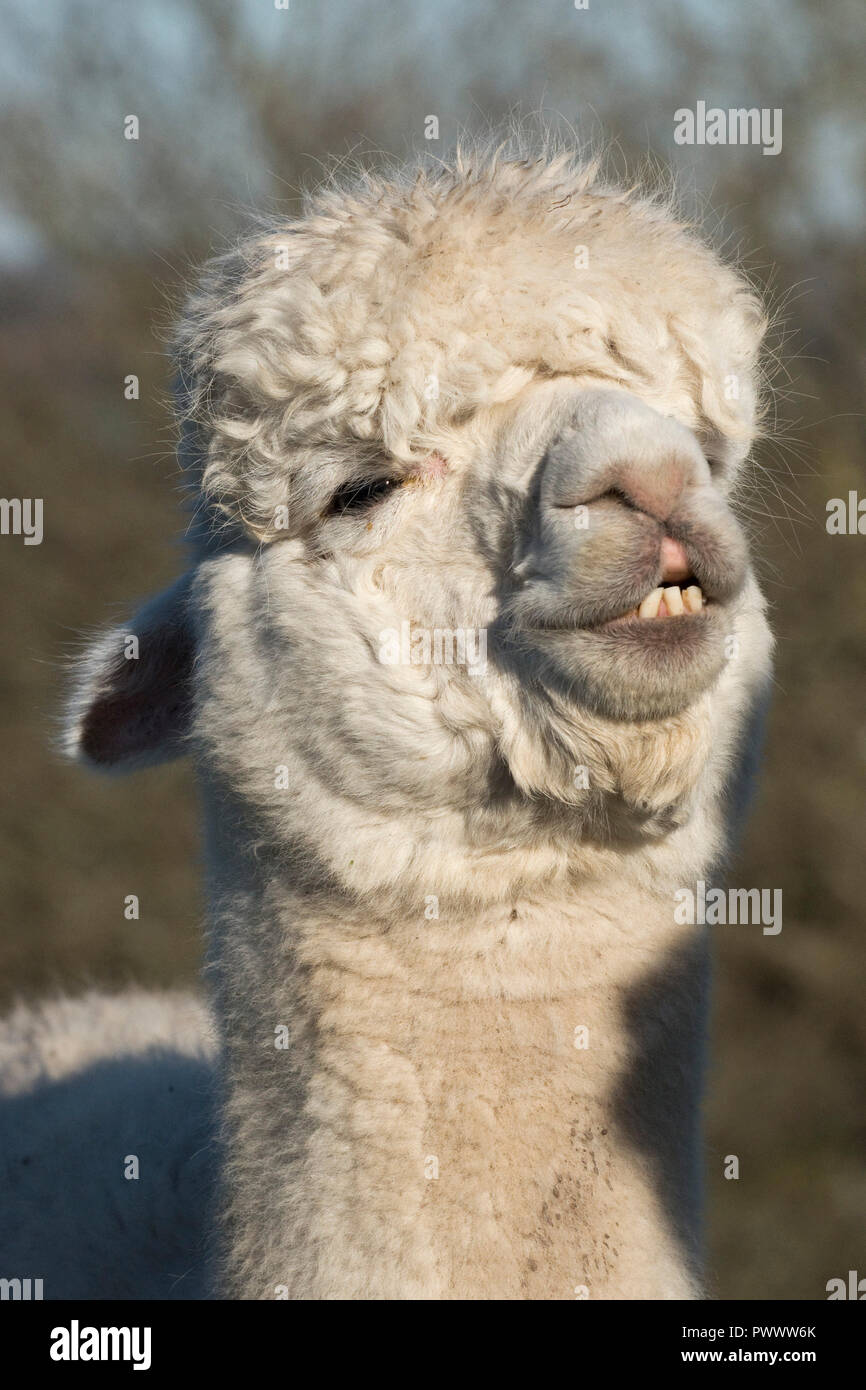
{"x":449,"y":430}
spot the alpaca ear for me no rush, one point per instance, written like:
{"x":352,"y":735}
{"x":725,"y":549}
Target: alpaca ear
{"x":132,"y":701}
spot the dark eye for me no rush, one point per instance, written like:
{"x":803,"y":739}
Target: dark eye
{"x":357,"y":495}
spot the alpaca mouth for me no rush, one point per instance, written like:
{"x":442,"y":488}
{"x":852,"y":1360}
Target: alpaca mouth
{"x":665,"y":602}
{"x":671,"y":609}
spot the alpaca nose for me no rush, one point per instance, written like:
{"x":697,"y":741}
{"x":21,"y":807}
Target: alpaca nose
{"x":655,"y":476}
{"x":615,"y":444}
{"x":621,"y":503}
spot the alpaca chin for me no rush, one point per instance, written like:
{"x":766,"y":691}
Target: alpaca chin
{"x":631,"y":674}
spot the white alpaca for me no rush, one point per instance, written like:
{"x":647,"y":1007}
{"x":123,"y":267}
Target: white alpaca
{"x":453,"y":431}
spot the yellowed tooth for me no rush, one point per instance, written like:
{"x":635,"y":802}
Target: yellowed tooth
{"x":674,"y":600}
{"x":650,"y":606}
{"x":693,"y":599}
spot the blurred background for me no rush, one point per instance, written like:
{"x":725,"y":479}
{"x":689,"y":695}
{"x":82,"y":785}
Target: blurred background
{"x":240,"y":104}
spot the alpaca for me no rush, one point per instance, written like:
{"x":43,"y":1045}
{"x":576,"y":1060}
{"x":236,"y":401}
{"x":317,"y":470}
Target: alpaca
{"x":469,"y":656}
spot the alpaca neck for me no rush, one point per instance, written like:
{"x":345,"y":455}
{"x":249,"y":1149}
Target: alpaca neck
{"x":503,"y":1108}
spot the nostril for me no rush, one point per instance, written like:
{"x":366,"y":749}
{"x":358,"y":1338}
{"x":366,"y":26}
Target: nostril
{"x":612,"y":494}
{"x":616,"y":494}
{"x":674,"y":561}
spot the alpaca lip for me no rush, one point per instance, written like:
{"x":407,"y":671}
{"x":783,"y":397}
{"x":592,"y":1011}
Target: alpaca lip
{"x":663,"y":604}
{"x":664,"y":609}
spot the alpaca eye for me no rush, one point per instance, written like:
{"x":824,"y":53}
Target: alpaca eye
{"x":359,"y":494}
